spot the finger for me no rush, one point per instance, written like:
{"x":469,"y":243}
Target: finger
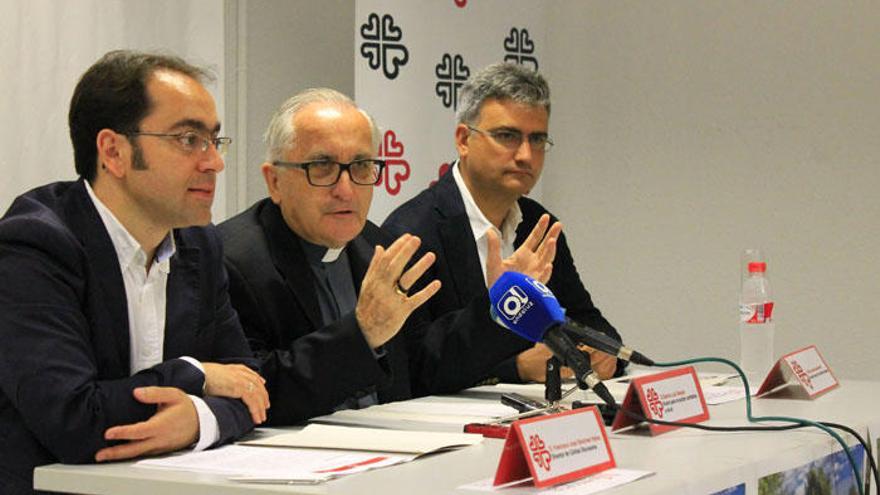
{"x":550,"y":241}
{"x":375,"y":261}
{"x":126,"y":451}
{"x":537,"y":234}
{"x":256,"y":407}
{"x":494,"y":268}
{"x":423,"y":295}
{"x":415,"y":272}
{"x":398,"y":244}
{"x":401,"y":257}
{"x":134,"y":431}
{"x":158,"y":395}
{"x":248,"y":373}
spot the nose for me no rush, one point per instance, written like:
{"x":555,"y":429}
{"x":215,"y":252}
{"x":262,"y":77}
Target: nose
{"x":523,"y":151}
{"x":344,"y":187}
{"x":211,"y":160}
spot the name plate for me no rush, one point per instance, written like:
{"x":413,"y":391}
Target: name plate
{"x":556,"y":448}
{"x":804,"y":372}
{"x":673,"y":395}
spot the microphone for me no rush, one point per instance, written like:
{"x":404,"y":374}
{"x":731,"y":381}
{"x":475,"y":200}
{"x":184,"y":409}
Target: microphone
{"x":598,"y":340}
{"x":528,"y":308}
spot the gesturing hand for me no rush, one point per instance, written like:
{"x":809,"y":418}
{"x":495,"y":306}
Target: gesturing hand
{"x":237,"y":381}
{"x":382,"y":307}
{"x":534,"y":257}
{"x":174,"y":426}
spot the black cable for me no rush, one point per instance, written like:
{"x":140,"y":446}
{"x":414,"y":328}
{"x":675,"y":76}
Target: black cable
{"x":697,"y":426}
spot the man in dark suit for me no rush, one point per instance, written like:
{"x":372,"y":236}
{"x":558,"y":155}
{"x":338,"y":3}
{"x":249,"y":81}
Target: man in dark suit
{"x":501,"y":138}
{"x":114,"y":311}
{"x":323,"y":294}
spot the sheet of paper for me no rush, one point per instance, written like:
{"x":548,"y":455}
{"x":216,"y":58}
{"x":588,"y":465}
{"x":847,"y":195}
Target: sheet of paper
{"x":262,"y":464}
{"x":605,"y":480}
{"x":372,"y":439}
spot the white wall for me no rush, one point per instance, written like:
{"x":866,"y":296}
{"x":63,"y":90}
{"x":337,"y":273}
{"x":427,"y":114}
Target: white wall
{"x":46,"y":46}
{"x":276,"y":49}
{"x":687,"y":131}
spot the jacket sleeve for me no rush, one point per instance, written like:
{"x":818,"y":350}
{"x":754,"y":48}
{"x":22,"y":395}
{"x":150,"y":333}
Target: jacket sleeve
{"x":49,"y":358}
{"x":229,"y":346}
{"x":315,"y":371}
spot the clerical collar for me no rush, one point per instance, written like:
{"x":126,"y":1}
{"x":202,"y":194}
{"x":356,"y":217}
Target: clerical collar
{"x":320,"y":254}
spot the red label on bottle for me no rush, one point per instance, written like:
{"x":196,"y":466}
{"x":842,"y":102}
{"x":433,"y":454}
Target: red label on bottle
{"x":761,"y":313}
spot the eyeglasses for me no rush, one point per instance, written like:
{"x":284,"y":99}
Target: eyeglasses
{"x":325,"y":173}
{"x":512,"y":139}
{"x":191,"y":141}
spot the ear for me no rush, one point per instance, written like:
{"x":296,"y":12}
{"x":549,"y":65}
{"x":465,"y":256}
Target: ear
{"x":462,"y":136}
{"x":114,"y":152}
{"x":271,"y":176}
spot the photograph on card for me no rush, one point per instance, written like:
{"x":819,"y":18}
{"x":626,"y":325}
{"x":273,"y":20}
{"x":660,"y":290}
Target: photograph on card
{"x":830,"y":474}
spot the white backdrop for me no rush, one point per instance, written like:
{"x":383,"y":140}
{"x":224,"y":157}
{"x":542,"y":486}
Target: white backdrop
{"x":46,"y":45}
{"x":410,"y":60}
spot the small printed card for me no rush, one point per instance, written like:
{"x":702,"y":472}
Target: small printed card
{"x":556,"y":448}
{"x":673,"y":395}
{"x":804,"y":372}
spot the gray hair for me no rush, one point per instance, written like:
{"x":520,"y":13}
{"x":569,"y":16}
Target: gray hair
{"x":502,"y":81}
{"x":280,"y":135}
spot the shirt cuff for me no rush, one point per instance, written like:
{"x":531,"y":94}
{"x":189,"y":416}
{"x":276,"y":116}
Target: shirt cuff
{"x":209,"y":429}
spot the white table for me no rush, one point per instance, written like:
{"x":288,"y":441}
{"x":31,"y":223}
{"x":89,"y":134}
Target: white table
{"x":685,"y":461}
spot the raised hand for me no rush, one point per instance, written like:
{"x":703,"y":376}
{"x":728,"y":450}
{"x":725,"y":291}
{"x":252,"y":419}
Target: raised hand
{"x":534,"y":257}
{"x":383,"y":304}
{"x":237,"y":381}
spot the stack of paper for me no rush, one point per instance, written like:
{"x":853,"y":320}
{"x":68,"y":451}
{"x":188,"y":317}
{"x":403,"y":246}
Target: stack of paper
{"x":314,"y":454}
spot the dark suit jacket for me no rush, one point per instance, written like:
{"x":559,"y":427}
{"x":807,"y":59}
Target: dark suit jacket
{"x":437,"y":215}
{"x":311,"y":368}
{"x":64,"y":357}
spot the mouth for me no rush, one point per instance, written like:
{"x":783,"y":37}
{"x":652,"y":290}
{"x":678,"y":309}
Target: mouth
{"x":206,"y":192}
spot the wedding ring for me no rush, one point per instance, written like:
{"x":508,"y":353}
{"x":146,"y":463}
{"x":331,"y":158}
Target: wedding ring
{"x":250,"y":387}
{"x":399,"y":289}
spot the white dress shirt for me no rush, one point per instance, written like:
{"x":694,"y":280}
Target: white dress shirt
{"x":480,"y":224}
{"x":146,"y":297}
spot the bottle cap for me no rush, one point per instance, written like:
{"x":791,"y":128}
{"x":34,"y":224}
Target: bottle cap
{"x":757,"y":266}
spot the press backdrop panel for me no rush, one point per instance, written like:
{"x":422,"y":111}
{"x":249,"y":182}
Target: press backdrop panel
{"x":411,"y":59}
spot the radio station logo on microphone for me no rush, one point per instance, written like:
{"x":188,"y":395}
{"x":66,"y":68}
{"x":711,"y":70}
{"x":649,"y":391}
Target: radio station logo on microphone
{"x":514,"y":304}
{"x":541,"y":287}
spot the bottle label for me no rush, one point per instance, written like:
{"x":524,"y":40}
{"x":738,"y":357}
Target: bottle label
{"x":756,"y":313}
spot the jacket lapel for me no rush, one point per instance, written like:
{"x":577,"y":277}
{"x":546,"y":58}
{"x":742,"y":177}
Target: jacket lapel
{"x":457,"y":240}
{"x":104,"y":273}
{"x":182,"y":301}
{"x":287,"y":255}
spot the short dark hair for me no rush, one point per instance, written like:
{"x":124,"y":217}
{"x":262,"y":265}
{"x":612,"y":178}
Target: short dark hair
{"x":112,"y":94}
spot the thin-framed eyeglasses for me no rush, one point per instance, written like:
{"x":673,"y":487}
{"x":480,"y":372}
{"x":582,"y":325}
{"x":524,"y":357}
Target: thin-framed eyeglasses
{"x":512,"y":139}
{"x":326,"y":173}
{"x":191,"y":141}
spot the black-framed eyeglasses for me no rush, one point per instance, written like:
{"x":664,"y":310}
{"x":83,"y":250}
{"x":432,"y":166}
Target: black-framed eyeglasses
{"x":325,"y":173}
{"x":191,"y":141}
{"x":512,"y":139}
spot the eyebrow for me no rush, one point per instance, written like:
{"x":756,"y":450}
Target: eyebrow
{"x":196,"y":124}
{"x":320,"y":155}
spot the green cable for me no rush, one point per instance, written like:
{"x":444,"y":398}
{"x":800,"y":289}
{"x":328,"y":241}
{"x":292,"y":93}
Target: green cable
{"x":859,"y":482}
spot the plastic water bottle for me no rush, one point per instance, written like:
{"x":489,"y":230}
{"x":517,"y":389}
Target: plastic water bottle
{"x":756,"y":326}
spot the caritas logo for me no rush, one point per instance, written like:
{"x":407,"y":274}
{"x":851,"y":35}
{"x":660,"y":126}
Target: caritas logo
{"x":539,"y":451}
{"x":654,"y":402}
{"x":801,"y":374}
